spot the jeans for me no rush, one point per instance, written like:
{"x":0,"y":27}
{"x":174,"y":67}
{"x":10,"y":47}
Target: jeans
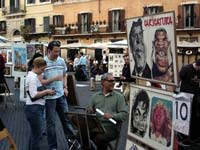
{"x":60,"y":105}
{"x":34,"y":115}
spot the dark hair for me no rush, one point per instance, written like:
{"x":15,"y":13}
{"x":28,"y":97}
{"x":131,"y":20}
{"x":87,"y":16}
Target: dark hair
{"x":161,"y":29}
{"x":140,"y":97}
{"x":30,"y":63}
{"x":134,"y":24}
{"x":197,"y":62}
{"x":52,"y":44}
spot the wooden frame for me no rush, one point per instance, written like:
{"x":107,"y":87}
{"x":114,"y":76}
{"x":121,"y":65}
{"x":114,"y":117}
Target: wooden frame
{"x":150,"y":60}
{"x":143,"y":128}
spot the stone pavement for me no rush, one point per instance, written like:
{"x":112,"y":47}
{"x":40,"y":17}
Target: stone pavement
{"x":17,"y":125}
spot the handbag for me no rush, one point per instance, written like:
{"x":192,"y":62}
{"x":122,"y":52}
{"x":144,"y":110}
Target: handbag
{"x":40,"y":88}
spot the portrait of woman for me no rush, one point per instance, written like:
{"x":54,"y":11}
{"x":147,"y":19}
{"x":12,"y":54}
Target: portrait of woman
{"x":139,"y":113}
{"x":161,"y":119}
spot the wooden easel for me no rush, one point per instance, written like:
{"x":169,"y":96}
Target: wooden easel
{"x":5,"y":134}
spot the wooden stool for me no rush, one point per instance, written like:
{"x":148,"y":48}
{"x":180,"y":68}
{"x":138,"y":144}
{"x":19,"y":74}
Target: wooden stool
{"x":5,"y":134}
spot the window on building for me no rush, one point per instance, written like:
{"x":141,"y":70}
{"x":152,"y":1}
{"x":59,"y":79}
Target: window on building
{"x":30,"y":24}
{"x":2,"y":26}
{"x":116,"y":20}
{"x":2,"y":3}
{"x":150,"y":10}
{"x":41,"y":1}
{"x":189,"y":15}
{"x":84,"y":21}
{"x":30,"y":1}
{"x":58,"y":20}
{"x":14,"y":6}
{"x":46,"y":22}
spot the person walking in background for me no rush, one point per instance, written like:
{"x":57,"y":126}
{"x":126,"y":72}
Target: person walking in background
{"x":113,"y":104}
{"x":83,"y":63}
{"x":125,"y":78}
{"x":56,"y":103}
{"x":76,"y":60}
{"x":35,"y":103}
{"x":105,"y":62}
{"x":189,"y":74}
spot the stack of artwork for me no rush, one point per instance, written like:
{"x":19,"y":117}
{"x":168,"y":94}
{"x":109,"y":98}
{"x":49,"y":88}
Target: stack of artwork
{"x":152,"y":54}
{"x":151,"y":117}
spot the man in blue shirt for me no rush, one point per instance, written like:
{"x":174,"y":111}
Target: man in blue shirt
{"x":56,"y":66}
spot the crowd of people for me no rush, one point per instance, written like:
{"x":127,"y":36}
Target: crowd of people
{"x":46,"y":86}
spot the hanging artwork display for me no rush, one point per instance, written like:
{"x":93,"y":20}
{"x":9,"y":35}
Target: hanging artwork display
{"x":116,"y":63}
{"x":151,"y":114}
{"x":19,"y":59}
{"x":152,"y":47}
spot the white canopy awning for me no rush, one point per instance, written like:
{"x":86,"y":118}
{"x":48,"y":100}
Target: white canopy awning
{"x":98,"y":45}
{"x":74,"y":45}
{"x":118,"y":44}
{"x":185,"y":44}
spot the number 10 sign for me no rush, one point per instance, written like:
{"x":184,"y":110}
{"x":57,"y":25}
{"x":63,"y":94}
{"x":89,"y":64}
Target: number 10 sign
{"x":182,"y":112}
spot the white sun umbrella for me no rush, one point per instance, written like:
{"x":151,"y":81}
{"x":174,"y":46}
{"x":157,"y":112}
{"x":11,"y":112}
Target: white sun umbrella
{"x":98,"y":45}
{"x":4,"y":40}
{"x":118,"y":44}
{"x":5,"y":45}
{"x":188,"y":44}
{"x":74,"y":45}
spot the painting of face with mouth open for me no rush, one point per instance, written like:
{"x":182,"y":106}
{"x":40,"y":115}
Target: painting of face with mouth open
{"x":162,"y":68}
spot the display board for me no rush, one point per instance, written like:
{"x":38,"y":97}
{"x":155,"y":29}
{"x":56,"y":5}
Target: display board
{"x":115,"y":64}
{"x":152,"y":47}
{"x":151,"y":114}
{"x":182,"y":108}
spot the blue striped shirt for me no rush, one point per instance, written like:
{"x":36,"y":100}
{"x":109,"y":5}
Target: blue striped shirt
{"x":54,"y":68}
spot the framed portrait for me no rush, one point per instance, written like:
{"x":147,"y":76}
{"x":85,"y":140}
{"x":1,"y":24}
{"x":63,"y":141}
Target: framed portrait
{"x":152,"y":48}
{"x":30,"y":49}
{"x":151,"y":114}
{"x":8,"y":70}
{"x":19,"y":59}
{"x":130,"y":145}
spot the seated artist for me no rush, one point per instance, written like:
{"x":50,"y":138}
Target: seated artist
{"x":113,"y":104}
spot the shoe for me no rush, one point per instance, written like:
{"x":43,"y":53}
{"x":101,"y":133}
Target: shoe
{"x":92,"y":89}
{"x":74,"y":144}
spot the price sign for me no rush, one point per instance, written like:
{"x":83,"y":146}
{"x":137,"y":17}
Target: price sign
{"x":182,"y":112}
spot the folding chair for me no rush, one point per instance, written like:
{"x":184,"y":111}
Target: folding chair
{"x":5,"y":134}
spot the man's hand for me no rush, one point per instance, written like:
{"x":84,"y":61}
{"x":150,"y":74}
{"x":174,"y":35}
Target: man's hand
{"x":66,"y":91}
{"x":107,"y":116}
